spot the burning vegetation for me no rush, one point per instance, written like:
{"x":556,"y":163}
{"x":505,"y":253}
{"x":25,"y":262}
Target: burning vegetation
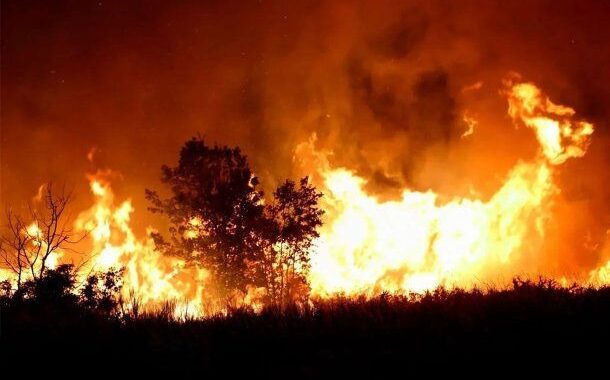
{"x":230,"y":245}
{"x":303,"y":189}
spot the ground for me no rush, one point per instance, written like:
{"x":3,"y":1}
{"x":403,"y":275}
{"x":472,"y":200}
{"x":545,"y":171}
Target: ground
{"x":530,"y":327}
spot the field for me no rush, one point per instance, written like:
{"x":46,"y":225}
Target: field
{"x":531,"y":326}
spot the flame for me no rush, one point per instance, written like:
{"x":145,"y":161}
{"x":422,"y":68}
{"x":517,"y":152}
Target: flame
{"x":368,"y":245}
{"x":471,"y":124}
{"x":559,"y":136}
{"x":420,"y":241}
{"x":37,"y":246}
{"x":601,"y":275}
{"x":150,"y":277}
{"x":38,"y":242}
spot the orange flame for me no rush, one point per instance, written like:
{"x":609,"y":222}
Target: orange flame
{"x":150,"y":277}
{"x":419,"y":242}
{"x":559,"y":136}
{"x":367,"y":245}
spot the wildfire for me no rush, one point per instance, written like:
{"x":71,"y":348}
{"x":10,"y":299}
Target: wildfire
{"x":150,"y":278}
{"x":416,"y":243}
{"x":366,"y":245}
{"x":559,"y":136}
{"x":33,"y":230}
{"x":419,"y":242}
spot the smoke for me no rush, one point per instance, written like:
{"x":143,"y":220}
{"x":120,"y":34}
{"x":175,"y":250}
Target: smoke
{"x":383,"y":84}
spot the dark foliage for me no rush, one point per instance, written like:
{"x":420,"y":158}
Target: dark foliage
{"x":216,"y":198}
{"x":55,"y":285}
{"x":531,"y":327}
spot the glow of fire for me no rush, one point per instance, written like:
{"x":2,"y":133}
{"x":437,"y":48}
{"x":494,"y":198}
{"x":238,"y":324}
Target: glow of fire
{"x":560,"y":136}
{"x":367,"y":245}
{"x":150,"y":277}
{"x":418,"y":242}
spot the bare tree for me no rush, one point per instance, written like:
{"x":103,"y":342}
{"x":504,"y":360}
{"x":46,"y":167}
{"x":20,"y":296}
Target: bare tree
{"x":14,"y":246}
{"x":28,"y":242}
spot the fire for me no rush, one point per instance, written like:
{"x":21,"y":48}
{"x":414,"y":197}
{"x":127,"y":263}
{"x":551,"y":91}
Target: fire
{"x":559,"y":136}
{"x":37,"y":240}
{"x":601,"y":275}
{"x":34,"y":242}
{"x":418,"y":243}
{"x":367,"y":245}
{"x":150,"y":277}
{"x":421,"y":242}
{"x":471,"y":124}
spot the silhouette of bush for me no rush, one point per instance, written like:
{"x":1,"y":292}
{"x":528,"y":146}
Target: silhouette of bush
{"x":101,"y":291}
{"x":55,"y":285}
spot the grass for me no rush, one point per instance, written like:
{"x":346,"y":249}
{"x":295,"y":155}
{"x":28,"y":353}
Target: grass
{"x":531,"y":324}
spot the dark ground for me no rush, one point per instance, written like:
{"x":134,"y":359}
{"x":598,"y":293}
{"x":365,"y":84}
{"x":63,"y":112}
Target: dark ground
{"x":531,"y":328}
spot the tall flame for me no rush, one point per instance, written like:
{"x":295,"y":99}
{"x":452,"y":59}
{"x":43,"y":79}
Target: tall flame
{"x":420,"y":242}
{"x":150,"y":277}
{"x":416,"y":243}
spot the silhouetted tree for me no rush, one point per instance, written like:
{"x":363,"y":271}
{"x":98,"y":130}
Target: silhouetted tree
{"x":290,"y":226}
{"x":213,"y":211}
{"x":218,"y":219}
